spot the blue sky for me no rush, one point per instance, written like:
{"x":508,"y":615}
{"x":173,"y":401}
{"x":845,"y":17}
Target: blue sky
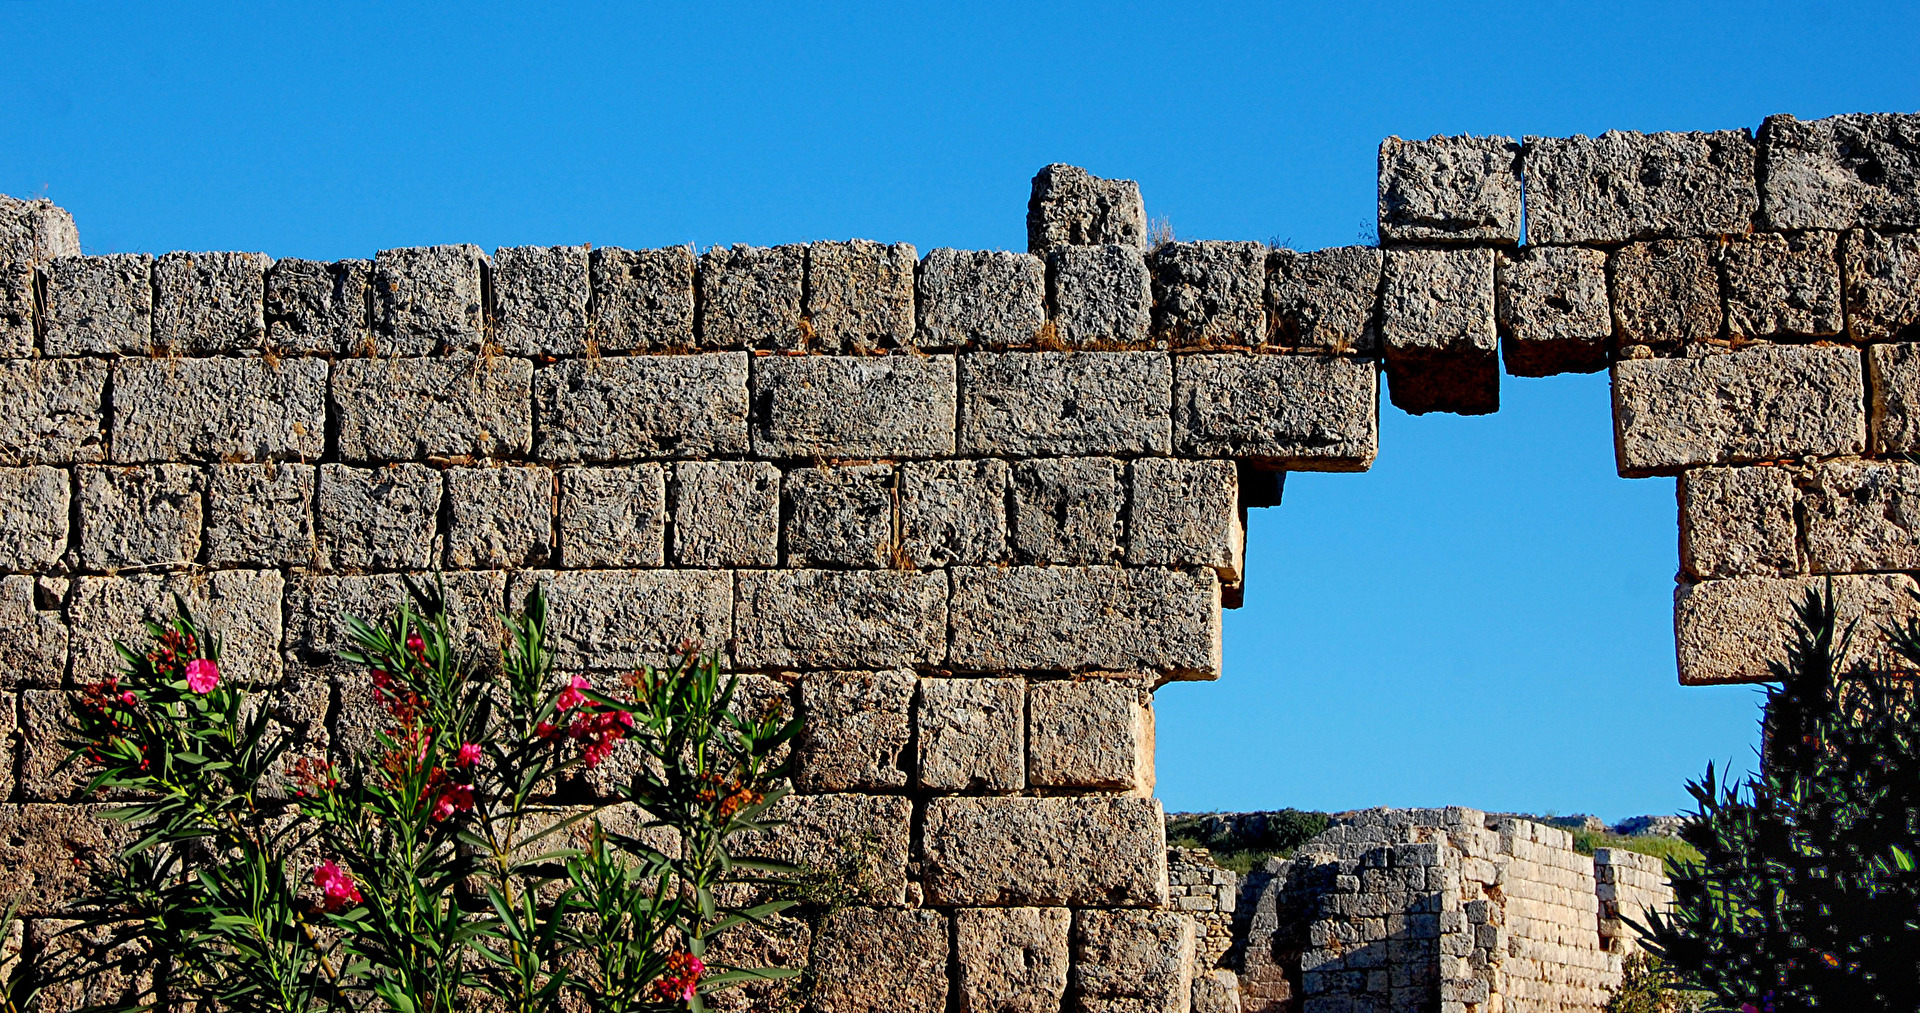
{"x":1484,"y":619}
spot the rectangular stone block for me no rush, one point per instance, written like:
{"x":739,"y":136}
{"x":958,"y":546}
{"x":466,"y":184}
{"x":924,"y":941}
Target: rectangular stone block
{"x":1842,"y":171}
{"x":377,"y":518}
{"x":860,"y":295}
{"x":840,"y":619}
{"x":1090,"y":735}
{"x":862,"y":838}
{"x":50,"y":853}
{"x":1069,"y":207}
{"x":643,"y":406}
{"x":1067,"y":510}
{"x":1728,"y":630}
{"x":35,"y":502}
{"x":853,"y":406}
{"x":501,"y":517}
{"x":880,"y":958}
{"x":750,"y":298}
{"x":1738,"y":522}
{"x":541,"y":295}
{"x":1882,"y":291}
{"x":33,"y":631}
{"x":45,"y":774}
{"x":1757,"y":404}
{"x":642,"y":299}
{"x":1324,"y":299}
{"x":954,"y":512}
{"x":318,"y":308}
{"x":1666,"y":294}
{"x":1209,"y":293}
{"x":16,"y":310}
{"x":219,"y":409}
{"x":1132,"y":961}
{"x":1436,"y":322}
{"x":55,"y":411}
{"x":317,"y":605}
{"x":261,"y":515}
{"x":613,"y":517}
{"x":1027,"y":403}
{"x":841,"y":516}
{"x":726,"y":513}
{"x":144,"y":516}
{"x":1783,"y":286}
{"x":970,"y":735}
{"x":856,"y":731}
{"x":1450,"y":190}
{"x":980,"y":298}
{"x":1298,"y":412}
{"x":1101,"y":296}
{"x":243,"y":606}
{"x":624,"y":619}
{"x":1011,"y":960}
{"x":35,"y":230}
{"x":1863,"y":516}
{"x":413,"y":409}
{"x":1893,"y":375}
{"x":1185,"y":513}
{"x":1080,"y":618}
{"x":1622,"y":186}
{"x":430,"y":298}
{"x":1054,"y":852}
{"x":98,"y":305}
{"x":1551,"y":304}
{"x":210,"y":303}
{"x":9,"y":738}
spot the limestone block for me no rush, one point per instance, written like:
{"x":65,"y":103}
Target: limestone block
{"x":1027,"y":403}
{"x":1757,"y":404}
{"x":1325,"y":299}
{"x":1302,"y":413}
{"x":1094,"y":734}
{"x":1882,"y":285}
{"x":35,"y":503}
{"x":860,"y":295}
{"x":1450,"y":189}
{"x":954,"y":512}
{"x":1436,"y":321}
{"x":1622,"y":186}
{"x":970,"y":735}
{"x":541,"y":294}
{"x":1783,"y":285}
{"x":1862,"y":516}
{"x":33,"y":631}
{"x":98,"y":305}
{"x":1185,"y":513}
{"x":319,"y":308}
{"x":853,"y":406}
{"x":1728,"y":630}
{"x":377,"y":518}
{"x":643,"y":406}
{"x":1893,"y":373}
{"x":9,"y":736}
{"x":624,"y":619}
{"x":1107,"y":851}
{"x":1011,"y":960}
{"x":50,"y":853}
{"x":219,"y":409}
{"x":210,"y":302}
{"x":1067,"y":510}
{"x":1218,"y":991}
{"x":32,"y":231}
{"x":856,"y":732}
{"x":1738,"y":522}
{"x":411,"y":409}
{"x":980,"y":297}
{"x":613,"y":517}
{"x":1128,"y":961}
{"x":877,"y":958}
{"x":144,"y":516}
{"x":861,"y":838}
{"x":840,"y":516}
{"x":87,"y":967}
{"x":16,"y":310}
{"x":54,"y":411}
{"x":1551,"y":303}
{"x":777,"y":941}
{"x":1069,"y":207}
{"x":429,"y":298}
{"x":1666,"y":293}
{"x":1101,"y":296}
{"x":317,"y":605}
{"x":642,"y":299}
{"x":45,"y":774}
{"x":1209,"y":293}
{"x":501,"y":517}
{"x":244,"y":605}
{"x":1081,"y":618}
{"x":261,"y":515}
{"x":840,"y":619}
{"x":1842,"y":171}
{"x":750,"y":298}
{"x":726,"y":513}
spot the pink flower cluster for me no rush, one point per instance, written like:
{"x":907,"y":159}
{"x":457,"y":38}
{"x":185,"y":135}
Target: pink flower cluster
{"x":202,"y":676}
{"x":337,"y":888}
{"x":681,"y":980}
{"x":598,"y":729}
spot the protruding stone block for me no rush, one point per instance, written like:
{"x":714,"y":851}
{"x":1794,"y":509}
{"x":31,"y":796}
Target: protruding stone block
{"x":1622,"y":186}
{"x":1738,"y":522}
{"x":244,"y":605}
{"x":1102,"y":296}
{"x":33,"y":631}
{"x":32,"y":231}
{"x":54,"y":411}
{"x":1067,"y":510}
{"x":1071,"y":208}
{"x":840,"y":516}
{"x":1011,"y":960}
{"x":1132,"y":961}
{"x":881,"y":958}
{"x":35,"y":502}
{"x":954,"y":512}
{"x":1862,"y":516}
{"x":429,"y":298}
{"x":1729,"y":630}
{"x":1450,"y":190}
{"x":210,"y":302}
{"x":1436,"y":321}
{"x":1842,"y":171}
{"x":856,"y":732}
{"x":726,"y":513}
{"x":412,"y":409}
{"x":1780,"y":286}
{"x":840,"y":619}
{"x":1666,"y":294}
{"x":148,"y":516}
{"x":863,"y":837}
{"x":642,"y":299}
{"x":1325,"y":299}
{"x":1209,"y":293}
{"x":98,"y":305}
{"x":542,"y":294}
{"x":50,"y":854}
{"x":853,"y":406}
{"x":1758,"y":404}
{"x":17,"y":310}
{"x":624,"y":619}
{"x":860,"y":295}
{"x":319,"y":308}
{"x":614,"y":517}
{"x":1027,"y":403}
{"x":1185,"y":513}
{"x":980,"y":297}
{"x":377,"y":518}
{"x":1094,"y":734}
{"x":1303,"y":413}
{"x":643,"y":406}
{"x":1551,"y":303}
{"x":750,"y":298}
{"x":261,"y":515}
{"x":1882,"y":285}
{"x":501,"y":517}
{"x":1055,"y":852}
{"x":970,"y":735}
{"x":219,"y":409}
{"x":1060,"y":618}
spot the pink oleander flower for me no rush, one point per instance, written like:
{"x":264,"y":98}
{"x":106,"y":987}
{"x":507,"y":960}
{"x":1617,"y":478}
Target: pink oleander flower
{"x":571,"y":697}
{"x":681,"y":980}
{"x":469,"y":754}
{"x":337,"y":889}
{"x":415,"y":644}
{"x":128,"y":698}
{"x":202,"y":676}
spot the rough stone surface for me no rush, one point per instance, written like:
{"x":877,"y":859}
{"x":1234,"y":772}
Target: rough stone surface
{"x":726,"y":513}
{"x":1210,"y":293}
{"x":411,"y":409}
{"x":1784,"y":286}
{"x":429,"y":298}
{"x":377,"y":518}
{"x":35,"y":502}
{"x":879,"y":958}
{"x":863,"y":837}
{"x":970,"y":735}
{"x":1069,"y":207}
{"x":319,"y":308}
{"x":1893,"y":373}
{"x":542,"y":294}
{"x":980,"y":297}
{"x":1728,"y":630}
{"x":840,"y":516}
{"x":316,"y":605}
{"x":210,"y":302}
{"x":1450,"y":189}
{"x":1132,"y":961}
{"x":45,"y":774}
{"x":1622,"y":186}
{"x":1666,"y":293}
{"x":145,"y":516}
{"x":1011,"y":960}
{"x":840,"y":619}
{"x":853,"y":406}
{"x":1863,"y":516}
{"x":860,"y":295}
{"x":33,"y":632}
{"x":1067,"y":510}
{"x":1185,"y":513}
{"x":219,"y":409}
{"x":1094,"y":734}
{"x":1079,"y":852}
{"x":1551,"y":304}
{"x":9,"y":738}
{"x":1882,"y":285}
{"x":1303,"y":413}
{"x":613,"y":517}
{"x":1325,"y":299}
{"x":1842,"y":171}
{"x":16,"y":310}
{"x":1098,"y":617}
{"x":261,"y":515}
{"x":98,"y":305}
{"x":624,"y":619}
{"x":54,"y":411}
{"x":954,"y":512}
{"x":1102,"y":296}
{"x":642,"y":299}
{"x":857,"y":730}
{"x":750,"y":298}
{"x":1738,"y":522}
{"x":501,"y":517}
{"x":1026,"y":403}
{"x":644,"y":406}
{"x":243,"y":604}
{"x":32,"y":231}
{"x":48,"y":853}
{"x":1436,"y":321}
{"x":1758,"y":404}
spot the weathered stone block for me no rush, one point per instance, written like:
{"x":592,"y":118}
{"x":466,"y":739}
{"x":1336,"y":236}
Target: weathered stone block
{"x":954,"y":512}
{"x":9,"y":738}
{"x":98,"y":305}
{"x":1132,"y":961}
{"x":1738,"y":522}
{"x":32,"y":231}
{"x":1436,"y":321}
{"x":45,"y":774}
{"x":219,"y":409}
{"x":1758,"y":404}
{"x":750,"y":298}
{"x":1728,"y":630}
{"x":1210,"y":293}
{"x":1667,"y":293}
{"x":1218,"y":990}
{"x":1551,"y":303}
{"x":16,"y":310}
{"x":853,"y":406}
{"x":726,"y":513}
{"x":971,"y":735}
{"x":49,"y":854}
{"x":1066,"y":403}
{"x":244,"y":605}
{"x":377,"y":518}
{"x":33,"y":631}
{"x":840,"y":619}
{"x":642,"y":299}
{"x":1066,"y":510}
{"x":147,"y":516}
{"x":643,"y":406}
{"x":210,"y":302}
{"x":624,"y":619}
{"x":1011,"y":960}
{"x":856,"y":732}
{"x":541,"y":293}
{"x":1893,"y":373}
{"x":261,"y":515}
{"x":613,"y":517}
{"x":1882,"y":285}
{"x":1078,"y":618}
{"x":429,"y":298}
{"x":1862,"y":516}
{"x":1079,"y":852}
{"x":980,"y":297}
{"x":1303,"y":413}
{"x":1450,"y":189}
{"x":840,"y":516}
{"x":1102,"y":296}
{"x":1185,"y":513}
{"x":317,"y":605}
{"x":35,"y":502}
{"x":1842,"y":171}
{"x":1325,"y":299}
{"x":860,"y":295}
{"x":877,"y":958}
{"x":1090,"y":734}
{"x":319,"y":308}
{"x":1622,"y":186}
{"x":1071,"y":208}
{"x":55,"y":409}
{"x":862,"y":837}
{"x":411,"y":409}
{"x":501,"y":517}
{"x":1783,"y":285}
{"x":776,"y":941}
